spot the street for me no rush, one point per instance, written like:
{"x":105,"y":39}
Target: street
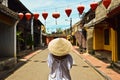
{"x":36,"y":69}
{"x":27,"y":27}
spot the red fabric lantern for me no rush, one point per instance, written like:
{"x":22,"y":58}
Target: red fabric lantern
{"x":93,"y":5}
{"x":28,"y":16}
{"x":68,"y":11}
{"x":36,"y":15}
{"x":45,"y":14}
{"x":106,"y":3}
{"x":56,"y":15}
{"x":80,"y":9}
{"x":20,"y":15}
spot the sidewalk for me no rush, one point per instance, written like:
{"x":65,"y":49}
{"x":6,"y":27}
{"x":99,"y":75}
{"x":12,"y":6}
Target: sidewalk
{"x":99,"y":65}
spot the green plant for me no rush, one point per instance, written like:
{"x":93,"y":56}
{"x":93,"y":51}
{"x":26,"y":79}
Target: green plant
{"x":29,"y":40}
{"x":19,"y":38}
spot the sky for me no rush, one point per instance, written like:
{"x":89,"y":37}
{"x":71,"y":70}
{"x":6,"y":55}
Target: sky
{"x":50,"y":6}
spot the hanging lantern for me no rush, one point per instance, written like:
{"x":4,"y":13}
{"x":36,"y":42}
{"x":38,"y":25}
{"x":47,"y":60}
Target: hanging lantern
{"x":28,"y":16}
{"x":68,"y":11}
{"x":20,"y":15}
{"x":56,"y":15}
{"x":45,"y":14}
{"x":80,"y":9}
{"x":93,"y":5}
{"x":106,"y":3}
{"x":36,"y":15}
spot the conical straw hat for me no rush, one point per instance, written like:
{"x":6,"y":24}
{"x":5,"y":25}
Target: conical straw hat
{"x":59,"y":46}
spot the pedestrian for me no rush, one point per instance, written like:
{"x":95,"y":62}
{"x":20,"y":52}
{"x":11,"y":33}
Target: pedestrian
{"x":80,"y":36}
{"x":59,"y":59}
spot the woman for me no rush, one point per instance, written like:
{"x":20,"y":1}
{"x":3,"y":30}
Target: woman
{"x":59,"y":59}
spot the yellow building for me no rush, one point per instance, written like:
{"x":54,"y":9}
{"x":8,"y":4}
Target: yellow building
{"x":106,"y":29}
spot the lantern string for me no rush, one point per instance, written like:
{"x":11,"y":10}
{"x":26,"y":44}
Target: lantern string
{"x":45,"y":22}
{"x":63,"y":6}
{"x":56,"y":21}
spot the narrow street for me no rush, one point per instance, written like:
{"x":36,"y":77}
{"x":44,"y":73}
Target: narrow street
{"x":36,"y":69}
{"x":27,"y":27}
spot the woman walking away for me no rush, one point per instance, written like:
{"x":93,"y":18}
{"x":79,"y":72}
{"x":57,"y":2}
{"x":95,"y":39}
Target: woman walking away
{"x":59,"y":60}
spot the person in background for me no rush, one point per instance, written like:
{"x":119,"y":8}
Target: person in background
{"x":80,"y":36}
{"x":59,"y":59}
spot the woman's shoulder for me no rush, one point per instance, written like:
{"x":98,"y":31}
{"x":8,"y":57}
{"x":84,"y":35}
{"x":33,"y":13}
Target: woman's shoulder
{"x":69,"y":55}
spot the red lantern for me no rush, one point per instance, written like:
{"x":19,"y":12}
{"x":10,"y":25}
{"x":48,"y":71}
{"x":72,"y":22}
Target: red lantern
{"x":45,"y":14}
{"x":20,"y":15}
{"x":93,"y":5}
{"x":56,"y":15}
{"x":80,"y":9}
{"x":68,"y":11}
{"x":106,"y":3}
{"x":28,"y":16}
{"x":36,"y":15}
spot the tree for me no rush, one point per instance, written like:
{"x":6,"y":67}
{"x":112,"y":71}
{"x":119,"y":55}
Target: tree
{"x":59,"y":31}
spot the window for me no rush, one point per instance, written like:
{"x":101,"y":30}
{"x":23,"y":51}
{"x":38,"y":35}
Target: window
{"x":106,"y":36}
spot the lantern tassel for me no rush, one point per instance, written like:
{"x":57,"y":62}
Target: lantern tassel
{"x":45,"y":22}
{"x":56,"y":21}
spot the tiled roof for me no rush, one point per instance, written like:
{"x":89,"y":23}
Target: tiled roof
{"x":8,"y":12}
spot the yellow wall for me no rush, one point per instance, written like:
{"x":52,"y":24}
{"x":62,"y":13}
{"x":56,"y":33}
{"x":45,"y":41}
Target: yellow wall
{"x":114,"y":45}
{"x":98,"y":39}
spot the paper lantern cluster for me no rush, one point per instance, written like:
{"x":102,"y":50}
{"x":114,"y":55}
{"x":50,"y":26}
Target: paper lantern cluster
{"x":28,"y":16}
{"x":68,"y":11}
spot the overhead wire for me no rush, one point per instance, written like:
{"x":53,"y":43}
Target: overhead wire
{"x":62,"y":6}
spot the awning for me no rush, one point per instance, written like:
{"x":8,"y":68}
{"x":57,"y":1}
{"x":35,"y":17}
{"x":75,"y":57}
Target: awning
{"x":114,"y":11}
{"x":94,"y":22}
{"x":8,"y":12}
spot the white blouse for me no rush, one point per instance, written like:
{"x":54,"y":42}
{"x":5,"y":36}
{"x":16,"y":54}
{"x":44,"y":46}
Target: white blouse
{"x":60,"y":68}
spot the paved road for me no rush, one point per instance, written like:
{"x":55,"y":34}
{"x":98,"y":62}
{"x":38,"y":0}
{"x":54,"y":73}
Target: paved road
{"x":36,"y":69}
